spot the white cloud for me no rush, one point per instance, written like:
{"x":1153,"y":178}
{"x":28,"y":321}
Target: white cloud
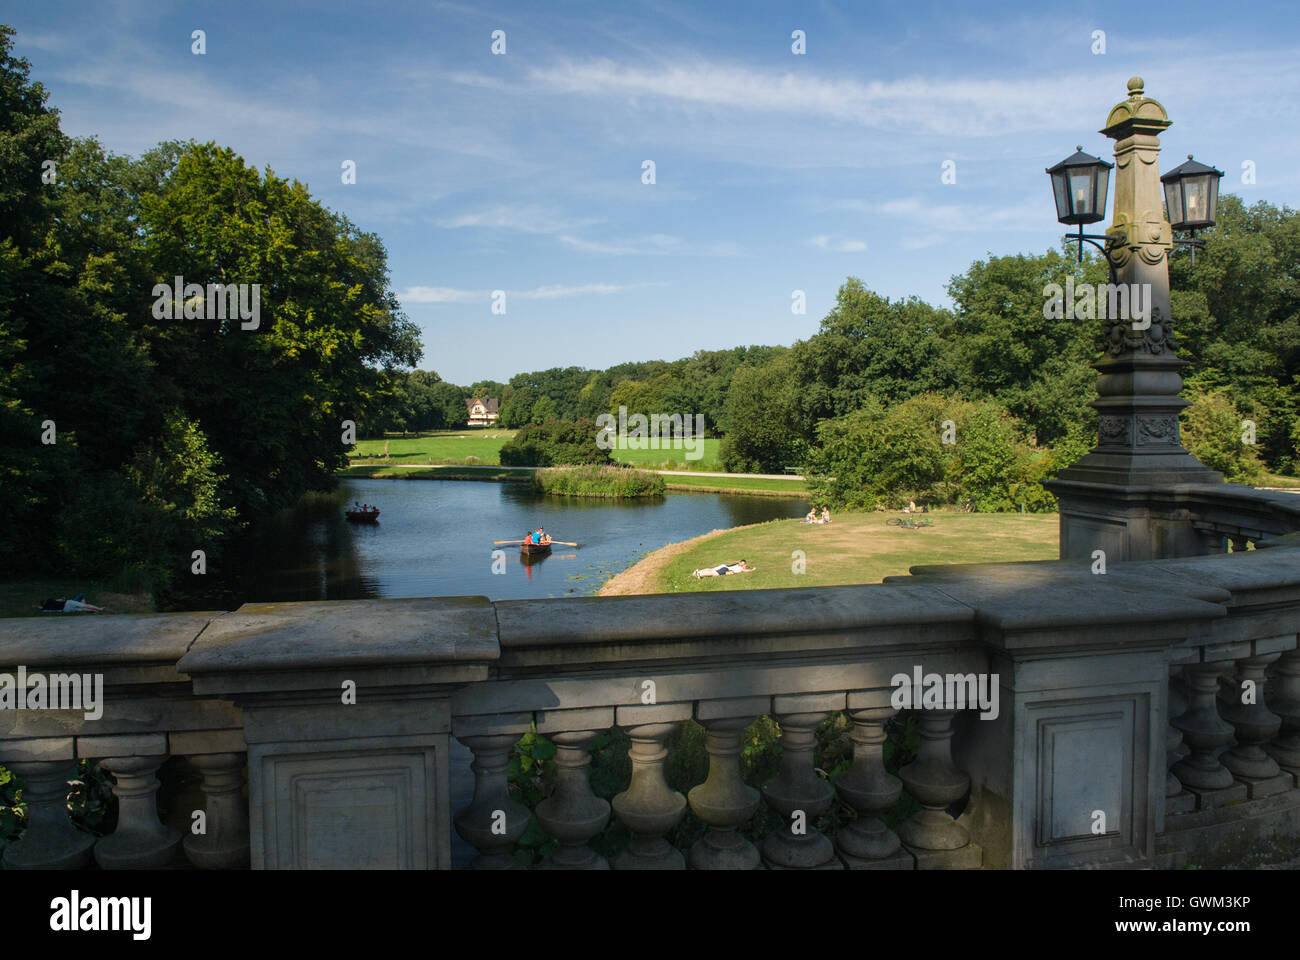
{"x":554,"y":291}
{"x":440,"y":295}
{"x":525,"y":218}
{"x":824,"y":242}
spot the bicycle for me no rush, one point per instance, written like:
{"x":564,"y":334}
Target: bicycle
{"x":907,"y":523}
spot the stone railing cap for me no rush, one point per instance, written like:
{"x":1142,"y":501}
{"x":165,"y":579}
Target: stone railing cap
{"x":730,"y":613}
{"x":99,"y":640}
{"x":326,"y":635}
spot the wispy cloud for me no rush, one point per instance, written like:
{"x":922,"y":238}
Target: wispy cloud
{"x":841,"y":245}
{"x":654,"y":244}
{"x":525,"y":218}
{"x":554,"y":291}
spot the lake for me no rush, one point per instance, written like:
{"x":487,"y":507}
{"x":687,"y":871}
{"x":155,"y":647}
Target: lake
{"x":434,"y":538}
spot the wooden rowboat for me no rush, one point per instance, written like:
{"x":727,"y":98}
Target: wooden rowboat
{"x":362,"y":516}
{"x":534,"y":550}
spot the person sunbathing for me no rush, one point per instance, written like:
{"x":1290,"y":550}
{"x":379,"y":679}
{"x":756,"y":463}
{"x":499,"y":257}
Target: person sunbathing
{"x":723,"y":570}
{"x":75,"y":605}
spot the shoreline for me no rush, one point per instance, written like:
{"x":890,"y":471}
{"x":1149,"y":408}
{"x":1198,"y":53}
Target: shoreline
{"x":646,"y":570}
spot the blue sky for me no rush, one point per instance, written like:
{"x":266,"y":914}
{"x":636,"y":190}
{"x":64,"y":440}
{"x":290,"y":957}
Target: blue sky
{"x":774,"y":172}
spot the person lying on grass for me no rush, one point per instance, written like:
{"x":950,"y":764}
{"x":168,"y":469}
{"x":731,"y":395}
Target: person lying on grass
{"x":723,"y":569}
{"x":76,"y":604}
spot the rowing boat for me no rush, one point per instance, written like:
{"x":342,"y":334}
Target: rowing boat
{"x":362,"y":516}
{"x":527,"y":549}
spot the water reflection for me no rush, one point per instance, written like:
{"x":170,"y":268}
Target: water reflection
{"x":435,"y":538}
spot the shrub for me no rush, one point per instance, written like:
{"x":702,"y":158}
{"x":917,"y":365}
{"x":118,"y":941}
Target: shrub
{"x":554,"y":443}
{"x":1212,"y":432}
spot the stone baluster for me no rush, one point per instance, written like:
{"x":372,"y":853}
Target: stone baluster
{"x":573,"y":814}
{"x":224,"y":843}
{"x":797,"y":793}
{"x":493,"y":821}
{"x":724,"y":801}
{"x":1203,"y":730}
{"x":648,"y":807}
{"x":936,"y":783}
{"x":50,"y":841}
{"x":141,"y":840}
{"x":871,"y":791}
{"x":1175,"y":749}
{"x":1253,"y":723}
{"x":1284,"y":698}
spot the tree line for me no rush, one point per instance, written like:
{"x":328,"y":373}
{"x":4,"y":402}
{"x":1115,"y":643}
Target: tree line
{"x":1018,"y":381}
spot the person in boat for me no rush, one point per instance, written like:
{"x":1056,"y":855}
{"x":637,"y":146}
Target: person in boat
{"x":723,"y":570}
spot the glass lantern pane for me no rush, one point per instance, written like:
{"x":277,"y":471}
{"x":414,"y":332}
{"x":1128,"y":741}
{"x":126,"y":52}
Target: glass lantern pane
{"x":1103,"y":187}
{"x":1174,"y":201}
{"x":1212,"y":204}
{"x":1062,"y":201}
{"x":1081,"y":196}
{"x":1194,"y":193}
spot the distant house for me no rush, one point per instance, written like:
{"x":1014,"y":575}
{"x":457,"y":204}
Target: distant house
{"x":482,"y":413}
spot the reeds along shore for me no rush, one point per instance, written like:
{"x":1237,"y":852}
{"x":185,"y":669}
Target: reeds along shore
{"x":598,"y":481}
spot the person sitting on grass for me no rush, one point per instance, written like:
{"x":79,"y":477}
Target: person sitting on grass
{"x":826,"y":514}
{"x":722,"y":570}
{"x":812,"y":516}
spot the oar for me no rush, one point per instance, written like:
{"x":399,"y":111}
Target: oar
{"x":564,"y":543}
{"x":507,"y":541}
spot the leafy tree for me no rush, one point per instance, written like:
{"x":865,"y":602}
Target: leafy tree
{"x":766,"y":424}
{"x":554,"y":443}
{"x":868,"y":346}
{"x":1212,"y":431}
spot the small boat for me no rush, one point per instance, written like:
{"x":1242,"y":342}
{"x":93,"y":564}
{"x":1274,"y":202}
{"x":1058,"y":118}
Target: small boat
{"x":530,"y":550}
{"x":362,"y":516}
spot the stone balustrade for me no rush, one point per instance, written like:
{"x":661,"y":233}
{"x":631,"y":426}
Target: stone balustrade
{"x":1138,"y":715}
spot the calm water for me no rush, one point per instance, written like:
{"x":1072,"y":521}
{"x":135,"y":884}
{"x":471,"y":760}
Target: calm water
{"x":434,"y":538}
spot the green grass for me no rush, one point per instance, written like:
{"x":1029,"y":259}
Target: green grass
{"x":382,"y":471}
{"x":792,"y":488}
{"x":484,"y":446}
{"x":856,"y":548}
{"x":1277,"y":480}
{"x":455,"y":447}
{"x":675,"y":457}
{"x":22,"y":598}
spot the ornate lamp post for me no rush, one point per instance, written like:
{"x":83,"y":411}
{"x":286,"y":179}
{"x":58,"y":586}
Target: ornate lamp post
{"x":1124,"y":496}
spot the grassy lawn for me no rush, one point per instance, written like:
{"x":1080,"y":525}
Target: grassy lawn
{"x":1277,"y":480}
{"x":792,"y":488}
{"x":22,"y":598}
{"x":382,"y":471}
{"x":457,"y":446}
{"x":440,"y":447}
{"x":674,"y":458}
{"x":856,"y":548}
